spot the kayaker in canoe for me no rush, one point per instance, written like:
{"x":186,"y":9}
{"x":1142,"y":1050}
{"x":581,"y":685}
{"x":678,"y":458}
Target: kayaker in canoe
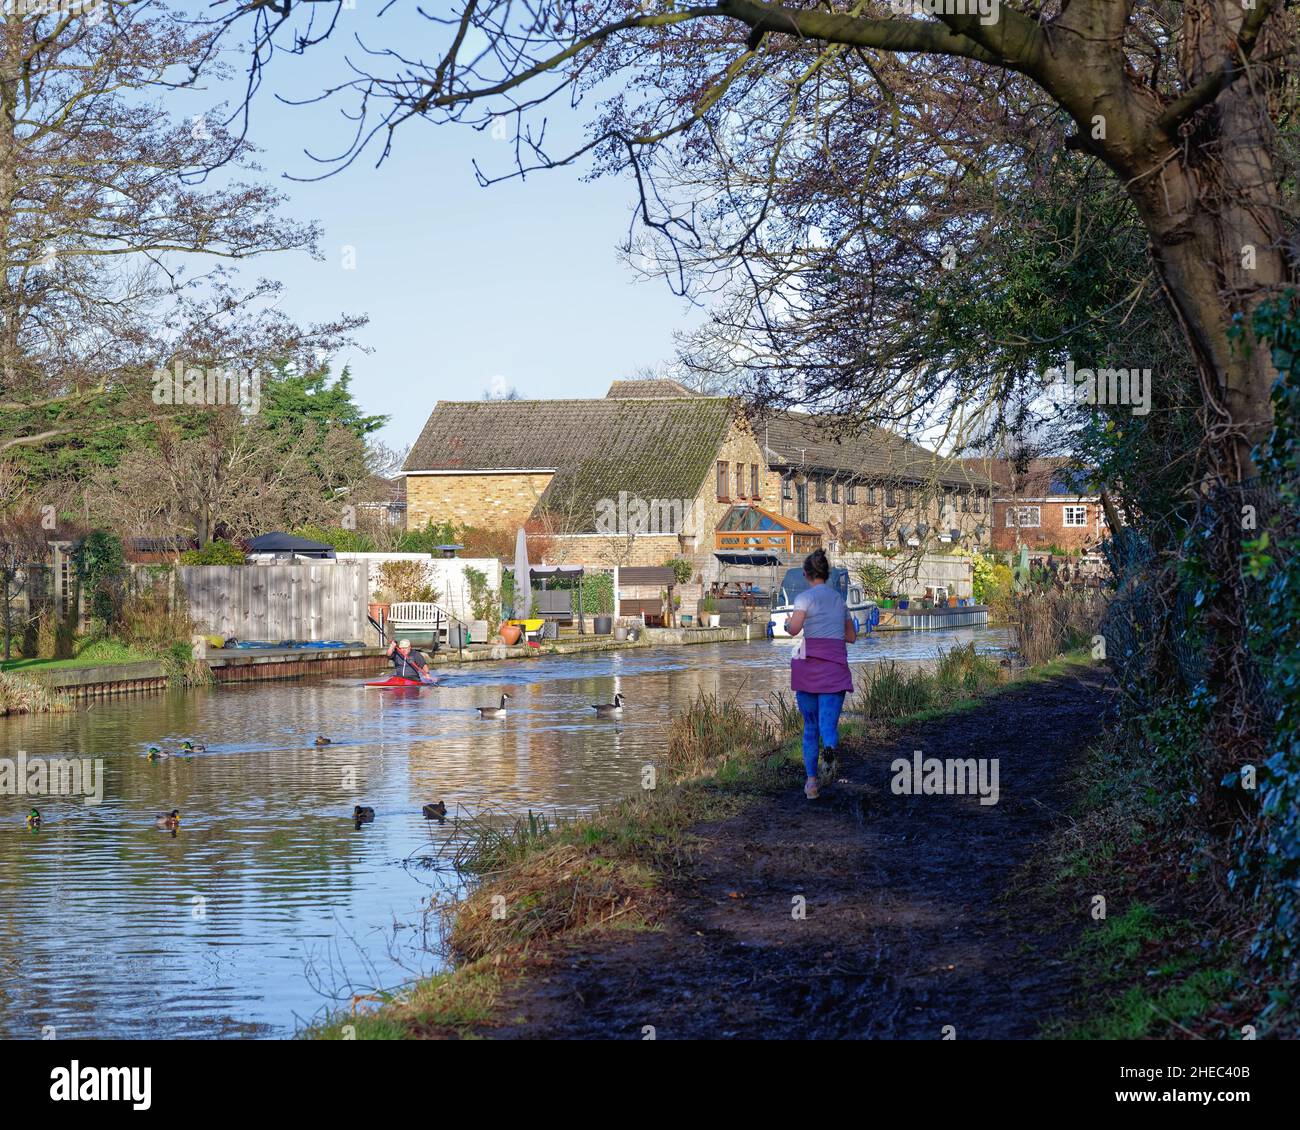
{"x":409,"y":663}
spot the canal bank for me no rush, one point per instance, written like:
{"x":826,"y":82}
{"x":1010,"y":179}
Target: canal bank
{"x":263,"y":664}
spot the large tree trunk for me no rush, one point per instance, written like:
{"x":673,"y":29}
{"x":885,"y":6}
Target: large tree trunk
{"x":1214,"y":213}
{"x":1215,"y":216}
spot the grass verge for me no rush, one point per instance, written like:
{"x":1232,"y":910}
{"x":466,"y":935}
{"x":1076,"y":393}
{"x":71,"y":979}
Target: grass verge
{"x":94,"y":652}
{"x":1159,"y":952}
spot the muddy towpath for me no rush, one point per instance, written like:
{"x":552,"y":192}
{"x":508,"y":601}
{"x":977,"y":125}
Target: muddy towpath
{"x":864,"y":914}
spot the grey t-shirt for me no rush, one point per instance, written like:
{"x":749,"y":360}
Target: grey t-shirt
{"x":825,"y":612}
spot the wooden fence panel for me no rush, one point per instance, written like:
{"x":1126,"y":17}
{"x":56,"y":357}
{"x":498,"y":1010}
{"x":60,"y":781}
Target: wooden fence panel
{"x":278,"y":602}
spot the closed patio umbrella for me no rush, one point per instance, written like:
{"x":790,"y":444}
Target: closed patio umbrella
{"x":523,"y":578}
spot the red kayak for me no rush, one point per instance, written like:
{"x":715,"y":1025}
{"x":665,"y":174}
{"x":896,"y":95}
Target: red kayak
{"x":398,"y":681}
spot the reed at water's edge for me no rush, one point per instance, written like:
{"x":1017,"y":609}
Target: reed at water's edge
{"x":21,"y":695}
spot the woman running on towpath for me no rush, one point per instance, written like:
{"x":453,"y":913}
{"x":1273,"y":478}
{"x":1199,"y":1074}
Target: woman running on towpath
{"x":819,"y":672}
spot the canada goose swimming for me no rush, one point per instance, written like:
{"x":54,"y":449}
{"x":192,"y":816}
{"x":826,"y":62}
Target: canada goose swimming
{"x":609,"y":709}
{"x":171,"y":821}
{"x":320,"y":740}
{"x":193,"y":747}
{"x":436,"y":811}
{"x":494,"y":711}
{"x":33,"y":819}
{"x":363,"y":815}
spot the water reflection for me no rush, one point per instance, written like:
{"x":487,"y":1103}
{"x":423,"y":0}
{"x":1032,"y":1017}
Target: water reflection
{"x":270,"y":900}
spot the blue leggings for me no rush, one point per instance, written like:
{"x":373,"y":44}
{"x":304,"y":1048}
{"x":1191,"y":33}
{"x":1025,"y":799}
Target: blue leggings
{"x":821,"y":716}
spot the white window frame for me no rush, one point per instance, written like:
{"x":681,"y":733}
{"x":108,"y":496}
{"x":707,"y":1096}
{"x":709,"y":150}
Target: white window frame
{"x":1015,"y":521}
{"x":1067,"y":511}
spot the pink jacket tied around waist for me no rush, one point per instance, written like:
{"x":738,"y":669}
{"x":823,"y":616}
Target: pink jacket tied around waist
{"x":823,"y":669}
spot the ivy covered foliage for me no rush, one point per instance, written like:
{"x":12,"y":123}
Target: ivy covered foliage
{"x":1273,"y":560}
{"x":216,"y":552}
{"x":101,"y":564}
{"x":342,"y":539}
{"x":428,"y":539}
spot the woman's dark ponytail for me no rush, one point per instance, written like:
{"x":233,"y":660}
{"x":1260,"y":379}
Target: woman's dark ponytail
{"x":816,"y":566}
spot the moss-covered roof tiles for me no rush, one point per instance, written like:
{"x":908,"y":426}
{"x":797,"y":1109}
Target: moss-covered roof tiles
{"x":824,"y":443}
{"x":652,"y":448}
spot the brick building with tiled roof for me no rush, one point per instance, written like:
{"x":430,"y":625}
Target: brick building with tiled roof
{"x":1043,"y":503}
{"x":582,"y":469}
{"x":636,"y":479}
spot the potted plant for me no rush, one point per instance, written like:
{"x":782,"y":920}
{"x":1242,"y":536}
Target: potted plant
{"x":903,"y":602}
{"x":709,"y":611}
{"x":952,"y":602}
{"x":380,"y":602}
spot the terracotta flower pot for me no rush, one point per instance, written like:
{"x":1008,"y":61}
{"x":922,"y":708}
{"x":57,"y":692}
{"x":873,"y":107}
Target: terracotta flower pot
{"x":377,"y":610}
{"x":510,"y":634}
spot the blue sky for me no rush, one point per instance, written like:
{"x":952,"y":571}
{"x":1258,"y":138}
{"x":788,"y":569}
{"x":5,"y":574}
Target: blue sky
{"x":520,"y":281}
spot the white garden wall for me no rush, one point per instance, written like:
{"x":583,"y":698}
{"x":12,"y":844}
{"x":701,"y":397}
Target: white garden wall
{"x":913,"y":575}
{"x":446,"y":574}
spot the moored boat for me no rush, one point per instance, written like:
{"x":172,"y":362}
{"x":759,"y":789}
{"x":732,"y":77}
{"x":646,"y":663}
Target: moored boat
{"x":864,"y":613}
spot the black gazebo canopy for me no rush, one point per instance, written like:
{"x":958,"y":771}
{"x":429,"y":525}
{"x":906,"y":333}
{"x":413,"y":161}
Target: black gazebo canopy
{"x":287,"y":543}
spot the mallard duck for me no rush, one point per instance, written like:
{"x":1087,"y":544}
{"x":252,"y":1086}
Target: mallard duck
{"x":156,"y":754}
{"x":171,"y":821}
{"x":609,"y":709}
{"x":34,"y":818}
{"x":494,"y":711}
{"x":363,"y":815}
{"x":193,"y":747}
{"x":437,"y":811}
{"x":320,"y":740}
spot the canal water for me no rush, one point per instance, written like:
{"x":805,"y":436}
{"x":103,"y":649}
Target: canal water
{"x":269,"y":906}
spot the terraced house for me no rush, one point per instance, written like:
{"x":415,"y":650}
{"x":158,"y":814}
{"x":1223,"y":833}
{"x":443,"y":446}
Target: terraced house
{"x":869,"y":487}
{"x":653,"y":471}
